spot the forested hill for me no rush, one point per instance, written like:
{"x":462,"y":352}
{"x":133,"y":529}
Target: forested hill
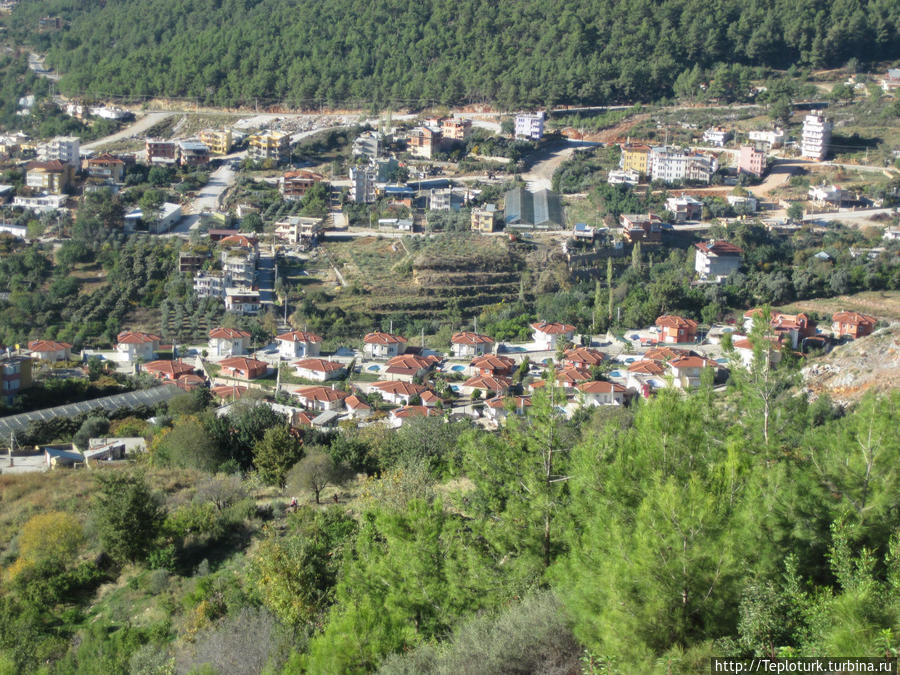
{"x":511,"y":52}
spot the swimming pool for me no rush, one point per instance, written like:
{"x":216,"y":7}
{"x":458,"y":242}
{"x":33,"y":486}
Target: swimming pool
{"x":615,"y":373}
{"x":457,"y":369}
{"x":374,"y":368}
{"x":629,"y":360}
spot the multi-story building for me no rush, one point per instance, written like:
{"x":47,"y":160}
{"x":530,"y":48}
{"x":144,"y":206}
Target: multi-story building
{"x":484,"y":219}
{"x":188,"y":262}
{"x":242,"y":300}
{"x":367,"y":144}
{"x":672,"y":165}
{"x":635,"y":157}
{"x":210,"y":284}
{"x":62,"y":148}
{"x":219,"y":141}
{"x":623,"y":177}
{"x":716,"y":259}
{"x":423,"y":142}
{"x":440,"y":200}
{"x":684,"y":208}
{"x":639,"y":227}
{"x":770,"y":138}
{"x":816,"y":137}
{"x":274,"y":145}
{"x":15,"y":376}
{"x":40,"y":203}
{"x":160,"y":151}
{"x":456,"y":129}
{"x":295,"y":184}
{"x":530,"y":126}
{"x":52,"y":177}
{"x":751,"y":161}
{"x":362,"y":185}
{"x":299,"y":230}
{"x":193,"y":153}
{"x":106,"y":167}
{"x":717,"y":136}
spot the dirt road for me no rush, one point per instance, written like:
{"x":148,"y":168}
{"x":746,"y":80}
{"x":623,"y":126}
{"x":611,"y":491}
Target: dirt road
{"x":146,"y":122}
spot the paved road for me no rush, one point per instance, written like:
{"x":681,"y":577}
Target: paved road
{"x":265,"y":278}
{"x":207,"y":198}
{"x":847,"y":215}
{"x":149,"y":397}
{"x":540,"y":175}
{"x":136,"y":129}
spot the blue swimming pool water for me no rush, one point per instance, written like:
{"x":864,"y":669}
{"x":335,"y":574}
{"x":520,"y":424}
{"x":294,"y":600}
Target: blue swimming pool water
{"x":374,"y":368}
{"x":457,"y":369}
{"x":615,"y":373}
{"x":629,"y":360}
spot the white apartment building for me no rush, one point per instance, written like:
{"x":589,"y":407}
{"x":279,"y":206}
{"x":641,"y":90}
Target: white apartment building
{"x":816,"y":137}
{"x":672,"y":165}
{"x":63,"y":148}
{"x":717,"y":136}
{"x":772,"y":138}
{"x":362,"y":185}
{"x":210,"y":284}
{"x":530,"y":126}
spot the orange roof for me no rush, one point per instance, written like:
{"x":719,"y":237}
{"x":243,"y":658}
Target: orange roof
{"x":136,"y":338}
{"x":303,"y":418}
{"x":243,"y":363}
{"x":600,"y":387}
{"x":104,"y":159}
{"x":500,"y":401}
{"x":429,"y":396}
{"x":190,"y":381}
{"x":469,"y":338}
{"x":412,"y":361}
{"x":646,"y":368}
{"x":228,"y":333}
{"x":553,"y":328}
{"x":53,"y":166}
{"x":379,"y":338}
{"x":172,"y":368}
{"x":691,"y":362}
{"x":493,"y":362}
{"x":48,"y":346}
{"x":672,"y":321}
{"x":723,"y":248}
{"x":354,"y":402}
{"x":239,"y":240}
{"x":413,"y":411}
{"x":854,"y":318}
{"x":666,"y":353}
{"x":744,"y":343}
{"x":488,"y":382}
{"x":585,"y":355}
{"x":397,"y":388}
{"x":229,"y":391}
{"x":320,"y":365}
{"x":325,"y":394}
{"x":573,"y":374}
{"x":303,"y":173}
{"x":298,"y":336}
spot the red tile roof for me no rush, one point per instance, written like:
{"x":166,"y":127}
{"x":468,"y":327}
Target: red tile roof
{"x":299,"y":336}
{"x":573,"y":374}
{"x":553,"y":328}
{"x":48,"y":346}
{"x":239,"y":240}
{"x":469,"y":338}
{"x":319,"y":365}
{"x":379,"y":338}
{"x":493,"y":362}
{"x":413,"y":411}
{"x":666,"y":354}
{"x":500,"y":401}
{"x":672,"y":321}
{"x":324,"y":394}
{"x":396,"y":388}
{"x":354,"y":402}
{"x":600,"y":387}
{"x":228,"y":333}
{"x":488,"y":382}
{"x":585,"y":356}
{"x":229,"y":391}
{"x":646,"y":368}
{"x":53,"y":166}
{"x":173,"y":369}
{"x":719,"y":248}
{"x":136,"y":338}
{"x":244,"y":363}
{"x":190,"y":381}
{"x":691,"y":362}
{"x":854,"y":318}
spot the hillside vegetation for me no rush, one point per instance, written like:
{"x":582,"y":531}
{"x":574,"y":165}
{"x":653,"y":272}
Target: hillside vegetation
{"x":513,"y":52}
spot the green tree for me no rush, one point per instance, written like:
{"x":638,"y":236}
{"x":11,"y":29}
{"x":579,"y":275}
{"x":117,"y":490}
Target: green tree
{"x":316,"y":471}
{"x":92,"y":427}
{"x":129,"y":516}
{"x":275,"y":453}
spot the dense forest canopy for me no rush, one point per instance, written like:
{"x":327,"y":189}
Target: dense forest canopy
{"x":511,"y":52}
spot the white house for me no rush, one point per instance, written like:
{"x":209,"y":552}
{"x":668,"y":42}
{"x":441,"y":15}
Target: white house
{"x":717,"y":136}
{"x":228,"y":341}
{"x":400,"y":416}
{"x":50,"y":350}
{"x":378,"y":345}
{"x":530,"y":126}
{"x":687,"y":369}
{"x":298,"y":344}
{"x":548,"y":335}
{"x":135,"y":345}
{"x":596,"y":393}
{"x":716,"y":259}
{"x":319,"y":370}
{"x":242,"y":301}
{"x":466,"y":344}
{"x":321,"y":398}
{"x":497,"y":408}
{"x":399,"y":393}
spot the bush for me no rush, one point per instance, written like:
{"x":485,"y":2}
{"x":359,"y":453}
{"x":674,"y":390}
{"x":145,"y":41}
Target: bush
{"x":129,"y":516}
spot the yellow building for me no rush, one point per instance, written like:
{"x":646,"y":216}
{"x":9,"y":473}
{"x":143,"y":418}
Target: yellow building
{"x":270,"y":145}
{"x":636,"y":158}
{"x":484,"y":219}
{"x":52,"y":177}
{"x":219,"y":142}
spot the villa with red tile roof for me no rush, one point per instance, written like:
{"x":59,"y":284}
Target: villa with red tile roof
{"x":675,"y":329}
{"x":408,"y":367}
{"x":321,"y":398}
{"x":467,"y":344}
{"x":687,"y":370}
{"x":486,"y":384}
{"x":497,"y":408}
{"x":190,"y":382}
{"x":399,"y":393}
{"x":645,"y":376}
{"x":492,"y":364}
{"x":49,"y":350}
{"x":168,"y":370}
{"x":743,"y":348}
{"x":716,"y":259}
{"x":793,"y":327}
{"x":571,"y":376}
{"x":228,"y":341}
{"x":583,"y":357}
{"x":298,"y":344}
{"x":228,"y":392}
{"x":548,"y":335}
{"x":400,"y":416}
{"x":135,"y":345}
{"x":852,"y":324}
{"x":357,"y":408}
{"x":378,"y":345}
{"x":319,"y":370}
{"x":243,"y":367}
{"x":666,"y":353}
{"x":598,"y":392}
